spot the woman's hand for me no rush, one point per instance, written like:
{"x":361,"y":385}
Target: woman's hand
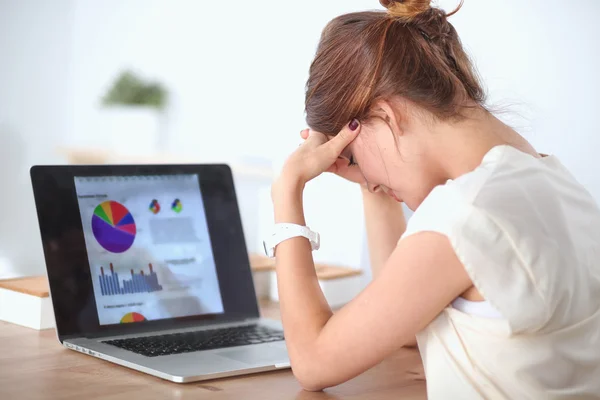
{"x":342,"y":167}
{"x":316,"y":155}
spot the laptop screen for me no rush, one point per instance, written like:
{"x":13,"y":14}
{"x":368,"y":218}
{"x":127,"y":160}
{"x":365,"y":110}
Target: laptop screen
{"x":149,"y":248}
{"x":142,"y":248}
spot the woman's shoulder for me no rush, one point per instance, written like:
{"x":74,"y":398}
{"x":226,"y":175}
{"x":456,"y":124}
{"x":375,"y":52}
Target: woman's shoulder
{"x":503,"y":170}
{"x":512,"y":183}
{"x":516,"y":223}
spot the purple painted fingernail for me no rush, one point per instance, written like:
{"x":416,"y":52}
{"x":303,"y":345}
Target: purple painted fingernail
{"x":353,"y":124}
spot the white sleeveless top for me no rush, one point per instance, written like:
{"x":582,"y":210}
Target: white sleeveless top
{"x":528,"y":235}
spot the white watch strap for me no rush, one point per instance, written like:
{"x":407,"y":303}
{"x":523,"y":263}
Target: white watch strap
{"x":285,"y":231}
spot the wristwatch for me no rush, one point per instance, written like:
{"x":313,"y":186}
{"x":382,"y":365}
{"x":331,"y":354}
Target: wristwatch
{"x":282,"y":232}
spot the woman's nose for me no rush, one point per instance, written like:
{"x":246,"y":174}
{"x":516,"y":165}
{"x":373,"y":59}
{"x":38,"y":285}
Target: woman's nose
{"x":372,"y":187}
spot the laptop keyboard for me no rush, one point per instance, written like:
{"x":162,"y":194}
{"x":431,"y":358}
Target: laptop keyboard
{"x":176,"y":343}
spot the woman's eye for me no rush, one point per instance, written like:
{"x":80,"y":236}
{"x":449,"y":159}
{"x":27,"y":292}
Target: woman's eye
{"x":351,"y":162}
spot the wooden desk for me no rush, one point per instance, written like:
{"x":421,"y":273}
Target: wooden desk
{"x":33,"y":365}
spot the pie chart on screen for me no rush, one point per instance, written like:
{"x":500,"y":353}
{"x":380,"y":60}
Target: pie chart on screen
{"x":132,"y":317}
{"x":113,"y":226}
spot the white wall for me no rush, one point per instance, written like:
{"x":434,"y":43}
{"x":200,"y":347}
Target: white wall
{"x":236,"y":76}
{"x":33,"y":119}
{"x":542,"y":57}
{"x":236,"y":71}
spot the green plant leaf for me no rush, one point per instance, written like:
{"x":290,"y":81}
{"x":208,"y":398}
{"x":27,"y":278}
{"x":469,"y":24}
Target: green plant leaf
{"x":129,"y":89}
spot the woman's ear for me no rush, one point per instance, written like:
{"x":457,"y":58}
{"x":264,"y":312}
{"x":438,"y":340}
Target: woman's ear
{"x":386,"y":110}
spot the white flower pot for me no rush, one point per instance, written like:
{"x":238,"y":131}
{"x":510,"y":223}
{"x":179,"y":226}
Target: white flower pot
{"x":131,"y":130}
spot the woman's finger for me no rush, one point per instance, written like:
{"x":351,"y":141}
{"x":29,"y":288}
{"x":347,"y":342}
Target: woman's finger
{"x":316,"y":138}
{"x":338,"y":143}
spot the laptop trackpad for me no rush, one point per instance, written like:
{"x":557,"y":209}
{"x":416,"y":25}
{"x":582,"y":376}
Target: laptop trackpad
{"x":270,"y":354}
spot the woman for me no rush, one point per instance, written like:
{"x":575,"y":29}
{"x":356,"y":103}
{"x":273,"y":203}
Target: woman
{"x":497,"y":271}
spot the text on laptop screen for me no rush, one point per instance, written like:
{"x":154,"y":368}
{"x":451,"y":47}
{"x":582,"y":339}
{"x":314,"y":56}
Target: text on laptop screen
{"x":148,"y":246}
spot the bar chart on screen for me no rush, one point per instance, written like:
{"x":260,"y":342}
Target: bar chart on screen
{"x":137,"y":282}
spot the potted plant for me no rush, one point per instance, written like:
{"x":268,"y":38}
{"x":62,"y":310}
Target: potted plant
{"x":133,"y":112}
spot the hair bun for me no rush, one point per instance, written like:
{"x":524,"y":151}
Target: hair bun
{"x":406,"y":9}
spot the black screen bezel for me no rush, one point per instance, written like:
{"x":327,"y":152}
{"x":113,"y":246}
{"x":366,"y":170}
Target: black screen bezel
{"x":67,"y":264}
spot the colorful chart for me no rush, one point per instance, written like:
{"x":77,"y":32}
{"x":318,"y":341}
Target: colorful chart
{"x":139,"y":283}
{"x":132,"y":317}
{"x":113,"y":226}
{"x":176,"y":206}
{"x":154,"y":206}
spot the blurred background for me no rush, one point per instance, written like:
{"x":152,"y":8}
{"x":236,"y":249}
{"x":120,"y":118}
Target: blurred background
{"x":226,"y":83}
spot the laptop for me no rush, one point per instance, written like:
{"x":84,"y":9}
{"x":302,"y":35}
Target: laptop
{"x":148,"y":268}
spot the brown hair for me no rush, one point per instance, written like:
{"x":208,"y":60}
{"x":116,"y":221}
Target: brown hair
{"x":410,"y":51}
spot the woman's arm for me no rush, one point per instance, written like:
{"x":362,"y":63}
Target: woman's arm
{"x":420,"y":278}
{"x":385,"y":222}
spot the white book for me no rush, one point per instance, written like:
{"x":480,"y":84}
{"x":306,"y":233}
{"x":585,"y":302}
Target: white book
{"x":26,"y":302}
